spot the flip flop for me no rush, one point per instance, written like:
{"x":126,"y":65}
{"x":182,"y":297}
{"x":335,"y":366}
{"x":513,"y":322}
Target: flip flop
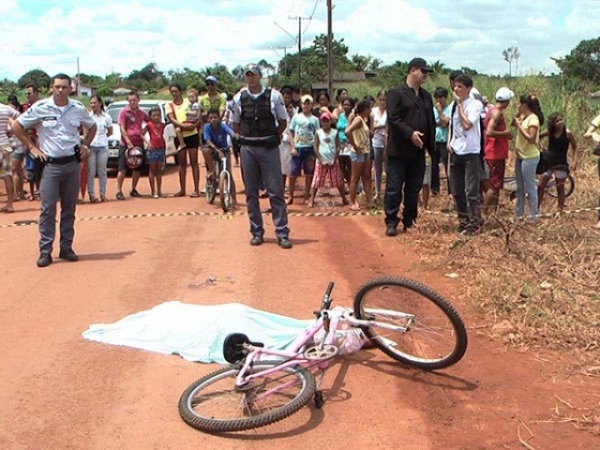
{"x":179,"y":194}
{"x":6,"y":209}
{"x":195,"y":195}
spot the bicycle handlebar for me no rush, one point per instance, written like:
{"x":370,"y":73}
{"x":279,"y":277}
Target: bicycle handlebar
{"x":326,"y":303}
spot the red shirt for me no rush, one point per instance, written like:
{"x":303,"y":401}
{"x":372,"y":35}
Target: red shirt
{"x":496,"y":147}
{"x":156,"y":133}
{"x":133,"y":121}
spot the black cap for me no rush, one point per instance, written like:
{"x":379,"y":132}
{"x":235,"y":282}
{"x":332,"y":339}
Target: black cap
{"x":421,"y":64}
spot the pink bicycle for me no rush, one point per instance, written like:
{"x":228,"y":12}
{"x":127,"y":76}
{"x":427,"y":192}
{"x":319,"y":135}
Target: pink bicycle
{"x":407,"y":320}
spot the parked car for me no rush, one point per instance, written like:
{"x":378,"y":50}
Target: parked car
{"x":113,"y":111}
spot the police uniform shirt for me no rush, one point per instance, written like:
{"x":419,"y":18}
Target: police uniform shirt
{"x":277,"y":106}
{"x":57,"y":127}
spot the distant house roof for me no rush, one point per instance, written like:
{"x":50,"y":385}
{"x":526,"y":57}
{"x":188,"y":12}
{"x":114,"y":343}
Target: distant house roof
{"x":341,"y":79}
{"x":594,"y":94}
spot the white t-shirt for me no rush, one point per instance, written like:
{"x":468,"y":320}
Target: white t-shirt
{"x":379,"y":119}
{"x":463,"y":141}
{"x":103,"y":123}
{"x":327,"y":145}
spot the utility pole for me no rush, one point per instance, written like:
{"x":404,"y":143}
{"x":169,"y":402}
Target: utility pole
{"x":330,"y":48}
{"x":299,"y":47}
{"x":78,"y":82}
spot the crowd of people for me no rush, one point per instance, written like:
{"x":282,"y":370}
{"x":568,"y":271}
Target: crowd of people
{"x":277,"y":135}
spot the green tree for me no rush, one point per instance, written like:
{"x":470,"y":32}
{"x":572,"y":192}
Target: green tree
{"x":583,"y":63}
{"x":8,"y":86}
{"x":376,"y":64}
{"x":227,"y":82}
{"x":91,"y":80}
{"x":186,"y":78}
{"x":36,"y":76}
{"x":147,"y":78}
{"x":314,"y":62}
{"x":361,"y":62}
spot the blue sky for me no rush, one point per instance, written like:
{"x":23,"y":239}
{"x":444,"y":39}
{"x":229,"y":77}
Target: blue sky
{"x":124,"y":35}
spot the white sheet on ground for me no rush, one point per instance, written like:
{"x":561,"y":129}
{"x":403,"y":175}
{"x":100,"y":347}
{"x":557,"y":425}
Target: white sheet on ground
{"x":197,"y":332}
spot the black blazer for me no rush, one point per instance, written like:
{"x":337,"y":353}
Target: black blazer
{"x":403,"y":120}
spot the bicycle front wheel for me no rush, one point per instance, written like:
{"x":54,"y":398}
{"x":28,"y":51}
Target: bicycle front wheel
{"x":215,"y":405}
{"x":225,"y":190}
{"x":412,"y":323}
{"x":211,"y":190}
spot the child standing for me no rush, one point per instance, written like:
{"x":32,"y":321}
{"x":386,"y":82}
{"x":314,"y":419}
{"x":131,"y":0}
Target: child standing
{"x":215,"y":135}
{"x":155,"y":156}
{"x":327,"y":150}
{"x":302,"y":131}
{"x":560,"y":138}
{"x":359,"y":137}
{"x":191,"y":116}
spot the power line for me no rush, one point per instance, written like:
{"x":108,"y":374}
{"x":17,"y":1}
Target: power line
{"x":310,"y":17}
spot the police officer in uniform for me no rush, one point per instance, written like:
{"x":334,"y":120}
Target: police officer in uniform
{"x":57,"y":121}
{"x":259,"y":117}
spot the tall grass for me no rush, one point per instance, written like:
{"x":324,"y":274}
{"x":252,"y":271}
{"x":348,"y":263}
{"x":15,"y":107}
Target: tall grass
{"x":576,"y":108}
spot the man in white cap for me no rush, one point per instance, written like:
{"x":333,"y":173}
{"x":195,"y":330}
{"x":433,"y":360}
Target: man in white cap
{"x":497,"y":138}
{"x":259,"y":117}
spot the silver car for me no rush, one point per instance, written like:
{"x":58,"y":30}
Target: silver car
{"x":113,"y":111}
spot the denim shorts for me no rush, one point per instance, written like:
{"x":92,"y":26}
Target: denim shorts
{"x":304,"y":161}
{"x":155,"y":156}
{"x":359,"y":157}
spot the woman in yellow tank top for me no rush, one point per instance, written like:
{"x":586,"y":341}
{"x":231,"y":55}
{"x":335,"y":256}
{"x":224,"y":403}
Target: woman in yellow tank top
{"x":528,"y":122}
{"x":359,"y":138}
{"x":176,"y":112}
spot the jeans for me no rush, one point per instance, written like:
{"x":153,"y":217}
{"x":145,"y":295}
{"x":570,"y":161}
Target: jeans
{"x":97,"y":161}
{"x":526,"y":184}
{"x":59,"y":183}
{"x":465,"y":171}
{"x":378,"y":164}
{"x":404,"y":179}
{"x":262,"y":166}
{"x":441,"y":154}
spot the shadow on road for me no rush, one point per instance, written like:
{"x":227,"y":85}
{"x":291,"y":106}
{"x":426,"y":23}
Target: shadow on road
{"x":105,"y":256}
{"x":431,"y":378}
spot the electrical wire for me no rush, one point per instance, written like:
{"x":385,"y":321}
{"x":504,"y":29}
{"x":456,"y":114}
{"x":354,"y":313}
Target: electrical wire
{"x":310,"y":18}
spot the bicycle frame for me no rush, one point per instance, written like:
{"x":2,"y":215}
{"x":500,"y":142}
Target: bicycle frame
{"x":331,"y":321}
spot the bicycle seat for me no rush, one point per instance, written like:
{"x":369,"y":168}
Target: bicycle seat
{"x":233,"y":347}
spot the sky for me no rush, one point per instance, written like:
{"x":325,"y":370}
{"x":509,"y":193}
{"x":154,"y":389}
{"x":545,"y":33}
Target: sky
{"x":124,"y":35}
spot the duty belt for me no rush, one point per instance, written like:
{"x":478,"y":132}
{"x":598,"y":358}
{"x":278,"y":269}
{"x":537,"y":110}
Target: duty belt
{"x":62,"y":160}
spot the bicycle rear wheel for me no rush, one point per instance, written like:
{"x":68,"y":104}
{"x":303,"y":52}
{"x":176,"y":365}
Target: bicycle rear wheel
{"x":225,"y":190}
{"x":213,"y":403}
{"x":569,"y":187}
{"x":433,"y":335}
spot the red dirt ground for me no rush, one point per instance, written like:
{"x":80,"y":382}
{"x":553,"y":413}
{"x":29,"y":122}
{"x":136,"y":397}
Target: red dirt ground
{"x":63,"y":392}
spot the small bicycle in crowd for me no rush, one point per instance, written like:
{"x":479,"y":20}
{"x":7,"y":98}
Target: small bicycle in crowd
{"x":405,"y":319}
{"x":510,"y":186}
{"x":221,"y":182}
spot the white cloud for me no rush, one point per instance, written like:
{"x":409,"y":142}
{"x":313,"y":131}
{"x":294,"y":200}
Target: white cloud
{"x":538,"y":21}
{"x":121,"y":35}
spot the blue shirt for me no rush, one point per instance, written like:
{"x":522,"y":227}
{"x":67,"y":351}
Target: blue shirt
{"x":57,"y":127}
{"x":441,"y":133}
{"x":218,"y":136}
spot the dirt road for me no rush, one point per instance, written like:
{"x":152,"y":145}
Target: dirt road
{"x":63,"y":392}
